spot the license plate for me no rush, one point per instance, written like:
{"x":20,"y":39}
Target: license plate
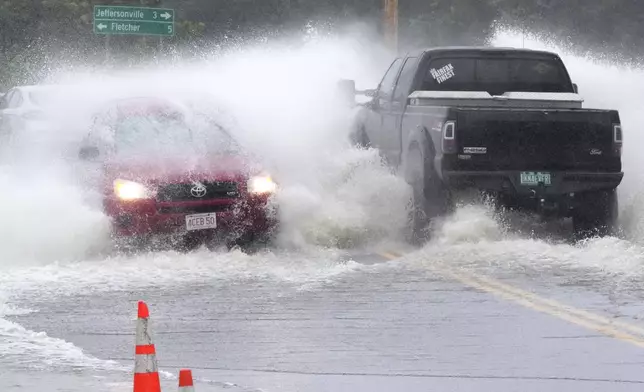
{"x":201,"y":221}
{"x":534,"y":178}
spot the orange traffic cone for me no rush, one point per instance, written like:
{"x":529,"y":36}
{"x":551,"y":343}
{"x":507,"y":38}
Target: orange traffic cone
{"x":146,"y":372}
{"x":185,"y":381}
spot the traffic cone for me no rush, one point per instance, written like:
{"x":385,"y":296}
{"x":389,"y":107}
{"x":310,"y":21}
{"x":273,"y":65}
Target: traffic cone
{"x":146,"y":372}
{"x":185,"y":381}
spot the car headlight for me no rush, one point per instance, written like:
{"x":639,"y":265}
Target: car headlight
{"x":130,"y":190}
{"x":261,"y":185}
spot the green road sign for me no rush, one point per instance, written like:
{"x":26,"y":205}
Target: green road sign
{"x":133,"y":20}
{"x":136,"y":28}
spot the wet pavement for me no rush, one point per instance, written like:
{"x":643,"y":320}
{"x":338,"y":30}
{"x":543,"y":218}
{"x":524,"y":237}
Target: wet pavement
{"x":387,"y":327}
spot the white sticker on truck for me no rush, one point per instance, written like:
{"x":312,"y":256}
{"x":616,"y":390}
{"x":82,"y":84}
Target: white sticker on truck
{"x":443,"y":73}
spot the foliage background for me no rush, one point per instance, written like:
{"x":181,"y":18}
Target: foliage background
{"x":37,"y":35}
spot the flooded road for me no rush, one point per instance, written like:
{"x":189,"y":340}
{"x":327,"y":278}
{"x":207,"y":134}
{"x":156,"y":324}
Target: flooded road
{"x":380,"y":325}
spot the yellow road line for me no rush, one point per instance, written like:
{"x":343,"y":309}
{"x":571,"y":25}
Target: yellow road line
{"x":390,"y":255}
{"x":534,"y":302}
{"x":552,"y":303}
{"x":583,"y":318}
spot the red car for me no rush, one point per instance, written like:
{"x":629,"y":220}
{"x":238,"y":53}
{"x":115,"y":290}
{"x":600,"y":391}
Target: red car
{"x":163,"y":179}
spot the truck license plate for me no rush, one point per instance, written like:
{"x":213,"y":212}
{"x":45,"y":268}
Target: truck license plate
{"x":534,"y":178}
{"x":201,"y":221}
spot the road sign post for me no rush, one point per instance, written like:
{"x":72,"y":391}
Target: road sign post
{"x":122,"y":20}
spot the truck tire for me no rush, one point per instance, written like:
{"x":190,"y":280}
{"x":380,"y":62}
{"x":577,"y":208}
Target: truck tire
{"x":428,"y":200}
{"x":360,"y":139}
{"x":595,"y":214}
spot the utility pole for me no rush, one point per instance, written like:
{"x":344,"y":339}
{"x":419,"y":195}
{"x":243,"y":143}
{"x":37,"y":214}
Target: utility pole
{"x":391,"y":24}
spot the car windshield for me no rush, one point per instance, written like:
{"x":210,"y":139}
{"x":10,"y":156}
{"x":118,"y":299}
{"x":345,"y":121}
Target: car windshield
{"x":140,"y":131}
{"x":167,"y":134}
{"x":497,"y":75}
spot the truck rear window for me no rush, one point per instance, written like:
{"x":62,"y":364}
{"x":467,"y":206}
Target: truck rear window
{"x":497,"y":75}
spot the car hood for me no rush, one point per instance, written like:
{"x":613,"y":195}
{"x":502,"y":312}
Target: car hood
{"x":179,"y":170}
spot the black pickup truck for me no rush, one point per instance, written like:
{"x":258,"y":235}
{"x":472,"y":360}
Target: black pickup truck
{"x":507,"y":122}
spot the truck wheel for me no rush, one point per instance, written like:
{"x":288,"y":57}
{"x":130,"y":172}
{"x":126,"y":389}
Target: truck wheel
{"x":418,"y":219}
{"x":359,"y":139}
{"x":595,"y":214}
{"x":428,"y":200}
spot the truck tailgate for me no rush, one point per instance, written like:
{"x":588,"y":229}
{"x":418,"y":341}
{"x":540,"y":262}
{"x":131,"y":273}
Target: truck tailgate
{"x":524,"y":139}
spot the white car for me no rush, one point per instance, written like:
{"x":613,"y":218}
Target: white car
{"x":23,"y":106}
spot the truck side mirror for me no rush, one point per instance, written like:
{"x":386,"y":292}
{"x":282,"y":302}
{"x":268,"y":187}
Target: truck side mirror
{"x":347,"y":91}
{"x":370,"y":93}
{"x":575,"y":88}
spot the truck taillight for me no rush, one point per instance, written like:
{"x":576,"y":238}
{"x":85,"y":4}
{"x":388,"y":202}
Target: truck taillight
{"x":617,"y":139}
{"x":617,"y":133}
{"x":449,"y":137}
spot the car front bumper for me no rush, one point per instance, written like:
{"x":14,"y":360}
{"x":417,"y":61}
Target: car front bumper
{"x":138,"y":218}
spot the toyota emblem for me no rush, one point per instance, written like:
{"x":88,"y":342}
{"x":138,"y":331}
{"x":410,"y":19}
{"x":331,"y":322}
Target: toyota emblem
{"x":198,"y":190}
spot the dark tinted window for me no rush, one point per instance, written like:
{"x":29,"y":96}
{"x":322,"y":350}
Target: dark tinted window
{"x":496,"y":75}
{"x":404,"y":81}
{"x":387,"y":83}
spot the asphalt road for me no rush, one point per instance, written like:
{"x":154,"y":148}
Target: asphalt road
{"x":388,"y":323}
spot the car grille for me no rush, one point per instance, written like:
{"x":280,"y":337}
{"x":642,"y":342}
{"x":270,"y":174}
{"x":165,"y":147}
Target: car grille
{"x":182,"y":192}
{"x":198,"y":209}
